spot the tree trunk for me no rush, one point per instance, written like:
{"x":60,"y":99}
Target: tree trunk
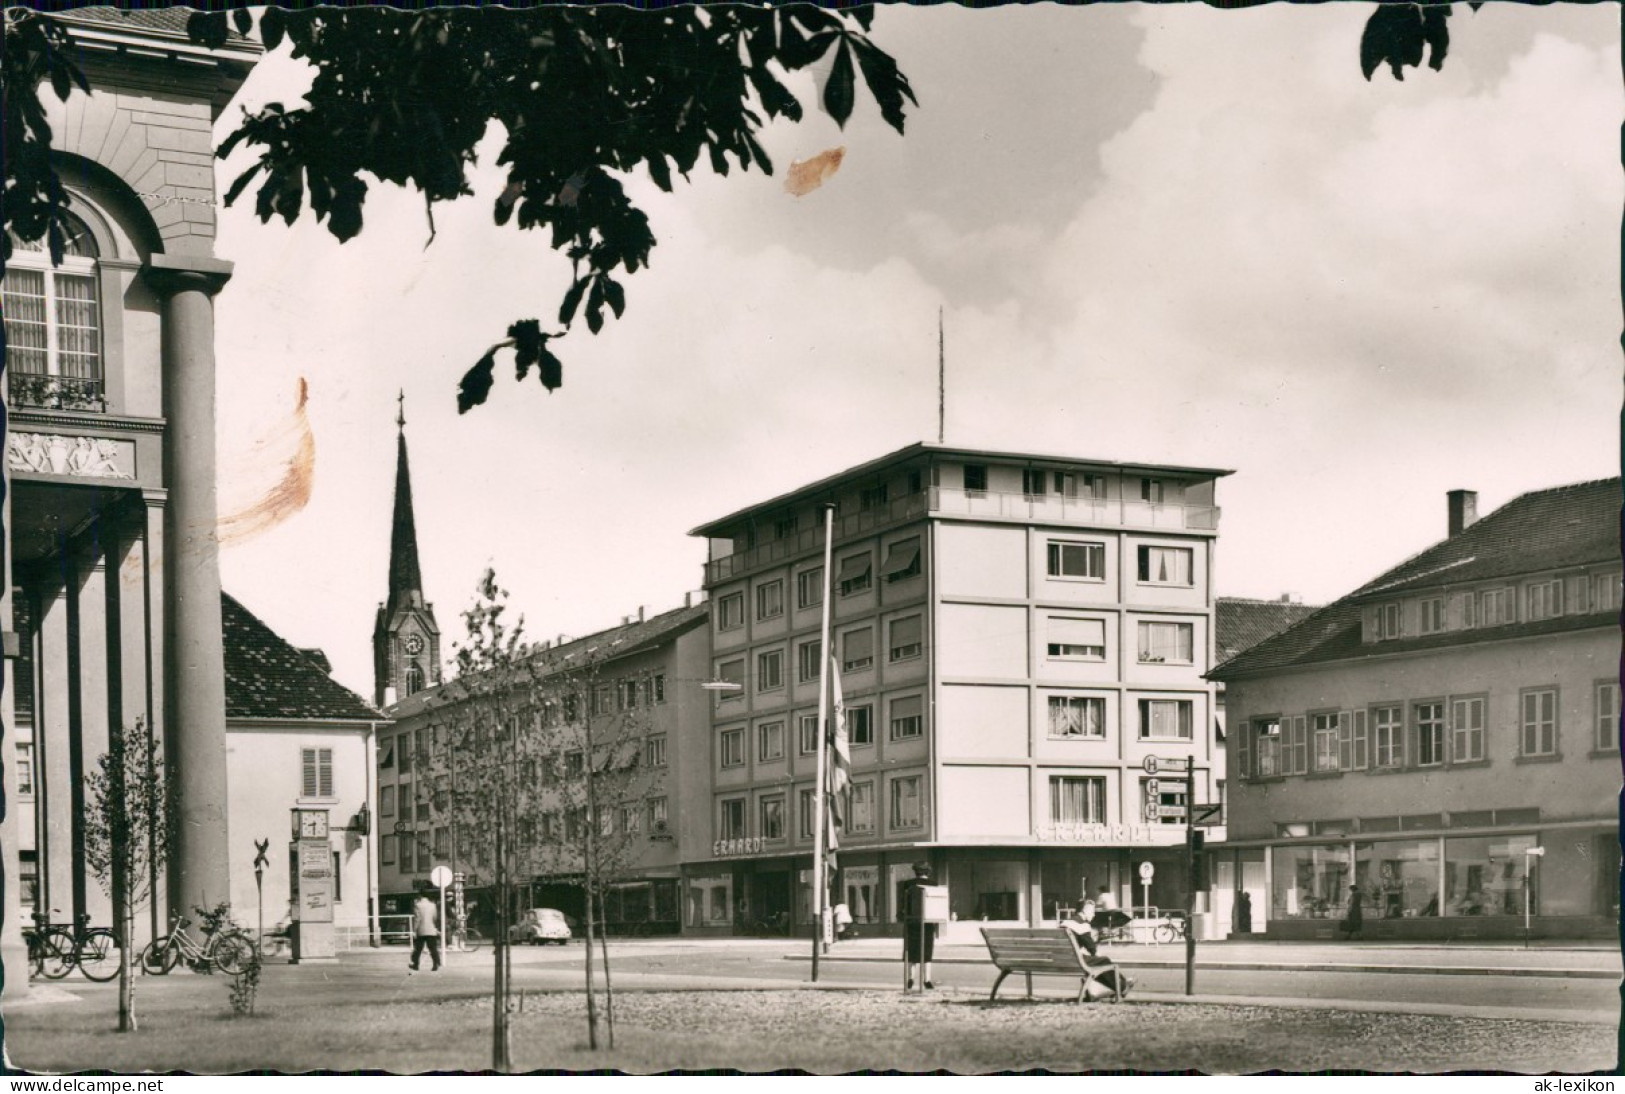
{"x":592,"y":1003}
{"x":609,"y":990}
{"x":500,"y":1061}
{"x":126,"y":944}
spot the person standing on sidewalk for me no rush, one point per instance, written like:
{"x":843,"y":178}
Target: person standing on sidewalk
{"x":919,"y":937}
{"x":1354,"y":919}
{"x":425,"y":931}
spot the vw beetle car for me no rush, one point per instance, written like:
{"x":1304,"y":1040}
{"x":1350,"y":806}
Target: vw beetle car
{"x":540,"y":926}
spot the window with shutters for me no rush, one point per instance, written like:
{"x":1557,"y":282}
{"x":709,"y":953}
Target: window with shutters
{"x":1084,"y":561}
{"x":855,"y":574}
{"x":857,"y":649}
{"x":905,"y":638}
{"x":1432,"y":615}
{"x":1387,"y":737}
{"x":902,"y":560}
{"x":1267,"y":746}
{"x":1545,"y":600}
{"x":1166,"y":643}
{"x":317,"y":777}
{"x":1538,"y":722}
{"x":1326,"y":742}
{"x":1076,"y":639}
{"x":1607,"y":701}
{"x":1429,"y":734}
{"x":1390,"y":622}
{"x":1165,"y":565}
{"x":1605,"y":592}
{"x":1494,"y":608}
{"x":907,"y":718}
{"x":1467,"y":729}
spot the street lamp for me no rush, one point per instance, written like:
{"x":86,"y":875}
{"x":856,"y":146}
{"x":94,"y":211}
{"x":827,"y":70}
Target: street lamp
{"x":1529,"y":855}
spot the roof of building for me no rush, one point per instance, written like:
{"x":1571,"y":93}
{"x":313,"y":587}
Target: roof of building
{"x":1537,"y":532}
{"x":1240,"y":624}
{"x":266,"y":677}
{"x":924,"y":448}
{"x":611,"y":643}
{"x":167,"y":22}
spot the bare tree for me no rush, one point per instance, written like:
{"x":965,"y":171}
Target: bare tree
{"x":128,"y":833}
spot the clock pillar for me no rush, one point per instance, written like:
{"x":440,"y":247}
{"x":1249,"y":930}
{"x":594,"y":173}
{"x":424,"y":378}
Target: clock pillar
{"x":311,"y":853}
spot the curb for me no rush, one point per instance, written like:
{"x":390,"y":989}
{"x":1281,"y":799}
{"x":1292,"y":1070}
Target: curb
{"x":1269,"y":966}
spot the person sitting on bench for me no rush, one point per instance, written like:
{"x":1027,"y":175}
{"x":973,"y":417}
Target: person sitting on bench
{"x":1108,"y":917}
{"x":1082,"y":928}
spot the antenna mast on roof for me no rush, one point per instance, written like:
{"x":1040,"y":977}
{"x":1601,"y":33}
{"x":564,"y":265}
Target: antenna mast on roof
{"x":942,"y":379}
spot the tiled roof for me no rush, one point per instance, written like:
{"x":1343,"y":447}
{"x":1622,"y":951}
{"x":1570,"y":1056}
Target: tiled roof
{"x":268,"y":678}
{"x":1241,"y":624}
{"x":171,"y":19}
{"x":1537,"y":532}
{"x":616,"y":642}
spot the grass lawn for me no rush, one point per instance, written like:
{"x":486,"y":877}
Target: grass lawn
{"x":764,"y":1030}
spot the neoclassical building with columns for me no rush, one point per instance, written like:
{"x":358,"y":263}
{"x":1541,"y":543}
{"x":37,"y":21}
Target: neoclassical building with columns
{"x":111,"y":603}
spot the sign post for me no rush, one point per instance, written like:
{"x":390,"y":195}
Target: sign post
{"x":440,"y":878}
{"x":260,"y":863}
{"x":1147,"y":872}
{"x":1190,"y":856}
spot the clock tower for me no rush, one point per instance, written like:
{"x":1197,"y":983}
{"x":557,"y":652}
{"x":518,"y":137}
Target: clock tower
{"x":405,"y":637}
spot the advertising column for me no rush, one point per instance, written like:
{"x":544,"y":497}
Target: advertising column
{"x":313,"y":896}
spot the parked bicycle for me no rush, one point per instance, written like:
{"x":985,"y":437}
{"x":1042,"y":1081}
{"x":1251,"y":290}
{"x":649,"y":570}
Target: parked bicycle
{"x":1172,"y":929}
{"x":227,"y":949}
{"x":54,"y":949}
{"x":465,"y":939}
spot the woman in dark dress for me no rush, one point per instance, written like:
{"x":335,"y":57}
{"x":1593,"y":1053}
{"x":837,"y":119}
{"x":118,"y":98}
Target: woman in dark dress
{"x":1354,"y":918}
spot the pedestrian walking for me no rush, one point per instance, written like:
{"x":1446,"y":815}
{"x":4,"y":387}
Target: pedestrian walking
{"x":425,"y":931}
{"x":1354,"y":919}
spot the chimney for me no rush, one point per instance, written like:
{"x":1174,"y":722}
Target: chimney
{"x":640,"y":612}
{"x":1462,"y":506}
{"x":688,"y":600}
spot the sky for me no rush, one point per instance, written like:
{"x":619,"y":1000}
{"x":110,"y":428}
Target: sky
{"x":1165,"y":233}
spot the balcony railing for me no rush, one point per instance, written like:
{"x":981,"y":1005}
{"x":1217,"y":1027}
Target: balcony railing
{"x":56,"y":392}
{"x":1043,"y":509}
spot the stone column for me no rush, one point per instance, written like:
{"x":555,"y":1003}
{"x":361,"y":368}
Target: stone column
{"x":194,"y":659}
{"x":152,"y":579}
{"x":13,"y":952}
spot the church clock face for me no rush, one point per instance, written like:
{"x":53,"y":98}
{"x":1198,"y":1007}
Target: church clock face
{"x":414,"y":644}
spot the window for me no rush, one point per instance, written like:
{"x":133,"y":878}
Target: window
{"x":810,"y":588}
{"x":907,"y":718}
{"x":317,"y":780}
{"x":804,"y":804}
{"x":1538,"y":735}
{"x":905,"y":641}
{"x":658,"y":818}
{"x":785,"y":527}
{"x":731,"y":611}
{"x":770,"y":741}
{"x":654,"y":751}
{"x":1034,"y":482}
{"x":770,"y":600}
{"x":731,"y":747}
{"x":731,"y":672}
{"x":631,"y":819}
{"x":386,"y":848}
{"x":733,"y":819}
{"x":1429,"y":734}
{"x":976,"y":479}
{"x":1066,"y":484}
{"x":1165,"y":719}
{"x":872,"y":497}
{"x":1267,"y":746}
{"x":808,"y":734}
{"x":772,"y":818}
{"x":902,"y":560}
{"x":861,"y":815}
{"x":809,"y":660}
{"x":1387,"y":737}
{"x":1077,"y":799}
{"x":1083,"y":560}
{"x":860,"y":726}
{"x":770,"y":670}
{"x":854,"y":574}
{"x":602,"y":697}
{"x":1165,"y":565}
{"x":574,"y":763}
{"x":1151,"y":490}
{"x":406,"y":753}
{"x":1094,"y":486}
{"x":916,"y":481}
{"x":606,"y":820}
{"x":442,"y":842}
{"x":1390,"y":622}
{"x":575,"y":823}
{"x":25,"y":771}
{"x":857,"y":650}
{"x":1607,"y":719}
{"x":386,"y":799}
{"x":53,"y":323}
{"x":905,"y":802}
{"x":658,"y":687}
{"x":1077,"y":639}
{"x":626,"y":695}
{"x":1077,"y":716}
{"x":1493,"y":608}
{"x":1605,"y":593}
{"x":1166,"y":643}
{"x":1163,"y":800}
{"x":1467,"y":729}
{"x":550,"y":827}
{"x":386,"y":753}
{"x":1545,"y":600}
{"x":1324,"y":728}
{"x":1433,"y":615}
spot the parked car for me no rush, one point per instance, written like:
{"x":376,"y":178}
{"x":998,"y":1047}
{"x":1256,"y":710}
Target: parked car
{"x":540,"y":926}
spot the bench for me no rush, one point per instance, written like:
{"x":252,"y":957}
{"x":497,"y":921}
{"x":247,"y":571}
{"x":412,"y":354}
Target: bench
{"x":1046,"y":951}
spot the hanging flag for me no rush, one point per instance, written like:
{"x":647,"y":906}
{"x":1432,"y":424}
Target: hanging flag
{"x":840,"y":768}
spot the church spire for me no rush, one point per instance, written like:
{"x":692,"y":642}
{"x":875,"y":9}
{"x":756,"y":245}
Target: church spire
{"x":405,"y":578}
{"x":405,"y":637}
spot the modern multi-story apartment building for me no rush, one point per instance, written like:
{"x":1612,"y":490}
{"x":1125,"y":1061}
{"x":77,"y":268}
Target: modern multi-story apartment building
{"x":1445,"y":738}
{"x":1015,"y":635}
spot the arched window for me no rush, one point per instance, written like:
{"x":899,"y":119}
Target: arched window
{"x":54,"y":323}
{"x":414,"y":678}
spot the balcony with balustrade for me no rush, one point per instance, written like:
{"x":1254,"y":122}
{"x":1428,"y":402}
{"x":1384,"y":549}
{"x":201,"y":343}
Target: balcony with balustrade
{"x":47,"y":392}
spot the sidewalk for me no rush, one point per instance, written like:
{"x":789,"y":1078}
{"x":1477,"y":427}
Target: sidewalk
{"x":1577,"y":959}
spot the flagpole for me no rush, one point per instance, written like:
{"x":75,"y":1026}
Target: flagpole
{"x":823,"y":715}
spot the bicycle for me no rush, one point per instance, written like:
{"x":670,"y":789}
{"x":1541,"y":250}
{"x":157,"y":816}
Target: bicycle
{"x":465,"y":939}
{"x":228,"y":950}
{"x":1173,"y":929}
{"x":54,"y":949}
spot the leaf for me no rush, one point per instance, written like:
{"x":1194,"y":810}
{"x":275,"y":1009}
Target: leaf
{"x":595,"y":305}
{"x":551,"y":372}
{"x":1393,"y":36}
{"x":241,"y":183}
{"x":839,"y":91}
{"x":271,"y":26}
{"x":344,"y":221}
{"x":1436,"y":33}
{"x":244,"y":21}
{"x":886,"y":83}
{"x":572,"y":300}
{"x":208,"y":28}
{"x":528,"y":345}
{"x":614,"y":294}
{"x":476,"y":384}
{"x":659,"y":172}
{"x":61,"y":82}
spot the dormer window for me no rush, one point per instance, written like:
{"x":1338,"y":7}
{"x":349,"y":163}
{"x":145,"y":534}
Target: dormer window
{"x":53,"y":323}
{"x":1545,"y":600}
{"x":1388,"y":622}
